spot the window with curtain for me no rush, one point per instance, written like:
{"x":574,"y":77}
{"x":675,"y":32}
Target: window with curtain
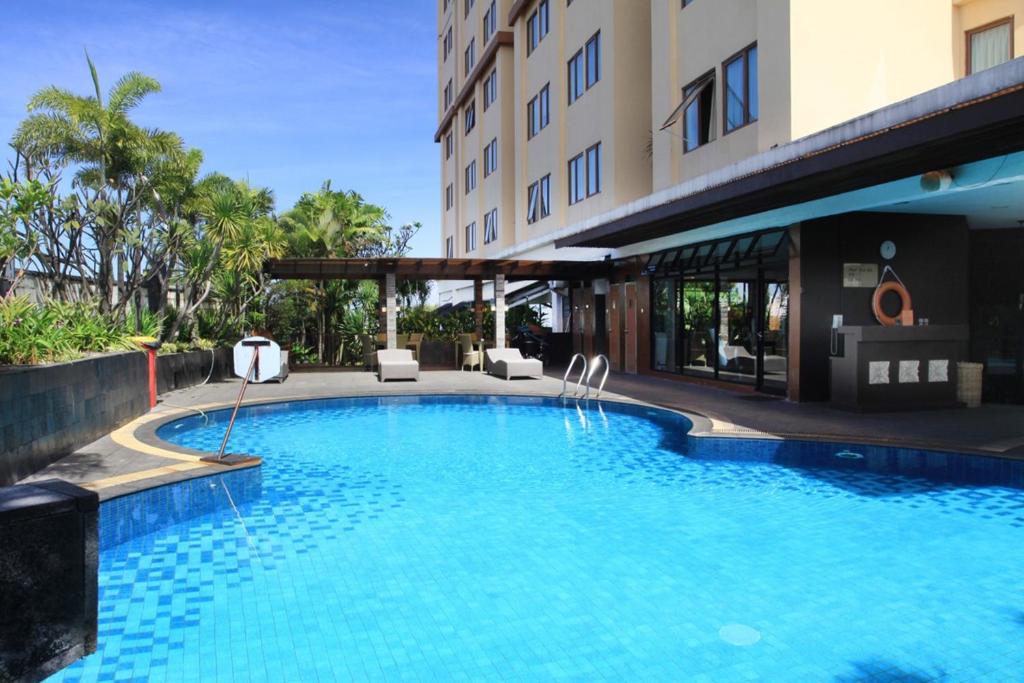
{"x":990,"y":45}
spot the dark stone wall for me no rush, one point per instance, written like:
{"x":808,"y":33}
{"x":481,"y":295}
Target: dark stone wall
{"x":49,"y":411}
{"x":48,"y":578}
{"x":180,"y":370}
{"x":932,"y":259}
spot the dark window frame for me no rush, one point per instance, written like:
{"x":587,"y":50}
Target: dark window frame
{"x":471,"y":237}
{"x":596,"y":148}
{"x":743,"y":54}
{"x":594,"y":40}
{"x":470,"y":117}
{"x":707,"y":83}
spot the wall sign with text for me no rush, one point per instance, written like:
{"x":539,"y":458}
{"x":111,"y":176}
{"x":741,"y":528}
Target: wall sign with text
{"x":860,"y":275}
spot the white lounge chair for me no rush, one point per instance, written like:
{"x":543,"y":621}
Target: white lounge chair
{"x":509,"y":363}
{"x":397,"y":364}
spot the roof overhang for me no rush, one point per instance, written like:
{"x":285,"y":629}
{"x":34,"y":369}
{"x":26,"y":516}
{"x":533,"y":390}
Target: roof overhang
{"x":433,"y":269}
{"x":975,"y":118}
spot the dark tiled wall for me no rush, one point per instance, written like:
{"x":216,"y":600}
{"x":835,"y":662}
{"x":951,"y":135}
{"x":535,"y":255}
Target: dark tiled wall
{"x":47,"y":412}
{"x":181,"y":370}
{"x":48,"y":578}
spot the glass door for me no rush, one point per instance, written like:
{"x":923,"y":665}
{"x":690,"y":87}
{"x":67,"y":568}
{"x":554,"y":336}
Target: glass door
{"x":774,"y":336}
{"x":738,"y":328}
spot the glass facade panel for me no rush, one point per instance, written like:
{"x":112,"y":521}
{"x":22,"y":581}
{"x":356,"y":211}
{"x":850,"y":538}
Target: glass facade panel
{"x":698,"y":342}
{"x":665,"y":324}
{"x":737,"y":343}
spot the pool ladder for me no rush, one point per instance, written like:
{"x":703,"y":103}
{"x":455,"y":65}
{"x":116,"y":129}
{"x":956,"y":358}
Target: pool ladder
{"x":588,"y":375}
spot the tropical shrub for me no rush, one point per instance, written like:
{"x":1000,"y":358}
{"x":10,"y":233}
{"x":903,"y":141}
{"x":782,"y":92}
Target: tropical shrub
{"x":56,"y":331}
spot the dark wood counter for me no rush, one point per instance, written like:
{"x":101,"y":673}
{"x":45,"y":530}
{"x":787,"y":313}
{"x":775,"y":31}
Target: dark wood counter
{"x":896,"y":368}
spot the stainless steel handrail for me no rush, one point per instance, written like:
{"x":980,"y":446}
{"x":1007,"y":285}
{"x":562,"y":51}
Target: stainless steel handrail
{"x":593,"y":369}
{"x":568,"y":371}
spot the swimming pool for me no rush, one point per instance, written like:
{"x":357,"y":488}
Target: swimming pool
{"x":489,"y":537}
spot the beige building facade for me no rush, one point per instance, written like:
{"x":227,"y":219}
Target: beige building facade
{"x":600,"y":78}
{"x":730,"y":161}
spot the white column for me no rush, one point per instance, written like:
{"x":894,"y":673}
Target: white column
{"x":556,"y":311}
{"x":499,"y":311}
{"x":392,"y":313}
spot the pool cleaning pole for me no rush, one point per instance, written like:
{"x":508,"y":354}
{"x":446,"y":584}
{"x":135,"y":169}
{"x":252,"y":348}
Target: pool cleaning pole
{"x":234,"y":413}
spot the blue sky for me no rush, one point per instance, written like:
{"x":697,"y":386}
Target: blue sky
{"x":284,"y":93}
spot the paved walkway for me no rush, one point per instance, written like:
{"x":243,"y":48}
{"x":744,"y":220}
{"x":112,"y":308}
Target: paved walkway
{"x":132,"y":458}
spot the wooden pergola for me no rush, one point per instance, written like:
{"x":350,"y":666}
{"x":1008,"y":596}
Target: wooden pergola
{"x":387,"y":272}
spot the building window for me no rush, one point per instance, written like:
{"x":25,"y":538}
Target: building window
{"x":449,"y":247}
{"x":490,"y":21}
{"x":449,"y":197}
{"x":533,"y":203}
{"x":585,"y":68}
{"x":577,"y":188}
{"x":491,"y":89}
{"x":471,"y":236}
{"x":491,"y":157}
{"x":470,"y":117}
{"x":447,"y":43}
{"x":585,"y":174}
{"x":447,"y":3}
{"x":545,"y":196}
{"x":539,"y":200}
{"x":469,"y":6}
{"x":698,"y":102}
{"x":538,"y":112}
{"x":490,"y":226}
{"x":471,"y":177}
{"x":448,"y":146}
{"x":989,"y":45}
{"x":740,"y":89}
{"x":470,"y":56}
{"x":576,"y":77}
{"x":593,"y":49}
{"x":536,"y":27}
{"x":448,"y":94}
{"x":687,"y":2}
{"x":594,"y":170}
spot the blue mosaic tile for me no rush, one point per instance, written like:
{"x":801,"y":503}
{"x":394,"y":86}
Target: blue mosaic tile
{"x":456,"y":538}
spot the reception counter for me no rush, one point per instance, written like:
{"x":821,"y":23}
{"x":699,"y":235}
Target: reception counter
{"x":896,"y":368}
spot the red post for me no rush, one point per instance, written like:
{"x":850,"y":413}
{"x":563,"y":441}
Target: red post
{"x":151,"y":353}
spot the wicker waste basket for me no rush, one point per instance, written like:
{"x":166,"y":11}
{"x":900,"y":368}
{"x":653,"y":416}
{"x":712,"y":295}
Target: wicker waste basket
{"x":968,"y":383}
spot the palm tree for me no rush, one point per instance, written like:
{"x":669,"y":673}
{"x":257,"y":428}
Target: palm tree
{"x":331,"y":223}
{"x":110,"y":151}
{"x":234,"y":232}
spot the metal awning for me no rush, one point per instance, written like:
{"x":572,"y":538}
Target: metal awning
{"x":732,"y":252}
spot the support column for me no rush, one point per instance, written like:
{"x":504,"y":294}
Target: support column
{"x":382,"y":303}
{"x":499,"y":311}
{"x":478,"y":307}
{"x":392,"y":314}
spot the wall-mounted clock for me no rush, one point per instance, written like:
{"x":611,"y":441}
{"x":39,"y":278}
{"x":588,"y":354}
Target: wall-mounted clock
{"x":888,"y":250}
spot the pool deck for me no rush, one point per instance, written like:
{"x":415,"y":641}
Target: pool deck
{"x":132,"y":458}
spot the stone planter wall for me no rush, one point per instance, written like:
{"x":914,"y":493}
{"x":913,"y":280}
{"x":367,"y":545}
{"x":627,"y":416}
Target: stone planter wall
{"x":49,"y":411}
{"x":181,"y":370}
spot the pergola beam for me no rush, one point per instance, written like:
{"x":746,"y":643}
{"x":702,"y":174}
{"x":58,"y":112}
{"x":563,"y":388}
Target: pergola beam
{"x":433,"y":269}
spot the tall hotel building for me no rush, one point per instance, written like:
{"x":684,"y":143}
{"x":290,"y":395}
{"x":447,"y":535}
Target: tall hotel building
{"x":733,"y":160}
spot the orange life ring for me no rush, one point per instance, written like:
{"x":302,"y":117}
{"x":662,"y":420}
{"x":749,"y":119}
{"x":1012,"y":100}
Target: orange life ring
{"x":876,"y":302}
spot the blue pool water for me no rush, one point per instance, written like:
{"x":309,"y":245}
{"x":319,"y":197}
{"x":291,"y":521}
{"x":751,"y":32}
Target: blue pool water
{"x":493,"y":538}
